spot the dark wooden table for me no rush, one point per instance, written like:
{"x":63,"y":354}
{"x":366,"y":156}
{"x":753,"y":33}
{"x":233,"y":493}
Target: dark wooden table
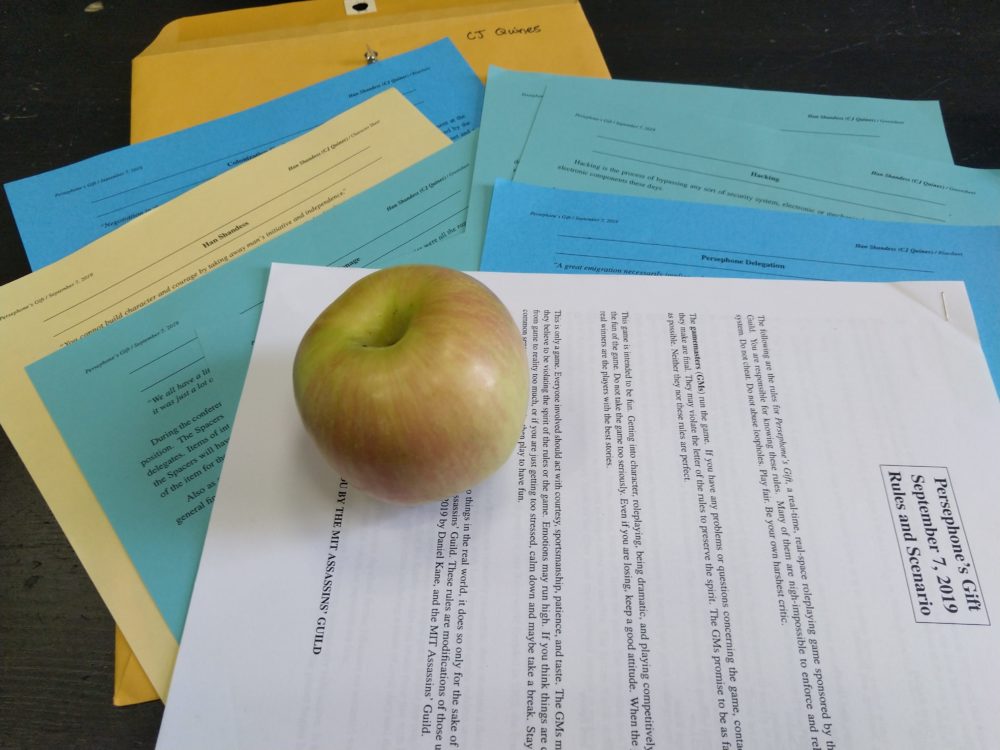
{"x":65,"y":96}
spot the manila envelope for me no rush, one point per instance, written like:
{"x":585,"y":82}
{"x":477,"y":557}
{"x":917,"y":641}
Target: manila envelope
{"x":202,"y":67}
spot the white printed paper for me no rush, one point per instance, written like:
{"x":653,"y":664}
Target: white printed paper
{"x":743,"y":513}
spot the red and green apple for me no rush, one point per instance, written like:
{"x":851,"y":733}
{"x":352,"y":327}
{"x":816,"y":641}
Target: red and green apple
{"x":413,"y":383}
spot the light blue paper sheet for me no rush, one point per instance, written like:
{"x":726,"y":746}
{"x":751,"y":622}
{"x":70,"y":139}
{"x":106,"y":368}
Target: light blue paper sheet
{"x":145,"y":416}
{"x":512,"y":98}
{"x":95,"y":196}
{"x":545,"y":230}
{"x":628,"y":145}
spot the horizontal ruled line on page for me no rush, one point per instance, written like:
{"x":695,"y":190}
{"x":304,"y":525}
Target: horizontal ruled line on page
{"x":167,"y":377}
{"x":173,"y":191}
{"x":684,"y":265}
{"x":265,"y":145}
{"x":203,"y":236}
{"x":214,"y":249}
{"x":383,"y":234}
{"x":394,"y":228}
{"x":743,"y":253}
{"x":770,"y":187}
{"x":425,"y":231}
{"x":829,"y":132}
{"x":769,"y":169}
{"x":161,"y":356}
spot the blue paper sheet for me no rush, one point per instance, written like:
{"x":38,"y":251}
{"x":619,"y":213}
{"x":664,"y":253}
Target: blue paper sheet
{"x":619,"y":143}
{"x":97,"y":195}
{"x":546,"y":230}
{"x":512,"y":99}
{"x":145,"y":415}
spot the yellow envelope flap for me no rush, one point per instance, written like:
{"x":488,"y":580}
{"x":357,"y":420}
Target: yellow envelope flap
{"x":292,"y":19}
{"x":132,"y":686}
{"x":179,"y":85}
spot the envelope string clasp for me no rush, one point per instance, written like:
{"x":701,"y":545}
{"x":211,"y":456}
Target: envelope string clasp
{"x":371,"y":56}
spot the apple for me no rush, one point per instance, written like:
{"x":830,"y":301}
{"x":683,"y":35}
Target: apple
{"x":413,"y":383}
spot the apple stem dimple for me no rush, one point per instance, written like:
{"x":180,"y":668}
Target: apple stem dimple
{"x":388,"y":330}
{"x":414,"y":383}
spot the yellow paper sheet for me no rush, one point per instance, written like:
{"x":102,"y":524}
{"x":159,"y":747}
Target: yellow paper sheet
{"x":147,"y":258}
{"x":203,"y":67}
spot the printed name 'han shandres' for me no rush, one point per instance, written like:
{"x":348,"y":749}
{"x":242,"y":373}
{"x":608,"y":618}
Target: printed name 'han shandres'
{"x":222,"y":235}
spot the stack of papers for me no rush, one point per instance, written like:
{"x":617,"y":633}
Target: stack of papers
{"x":148,"y":260}
{"x":751,"y":507}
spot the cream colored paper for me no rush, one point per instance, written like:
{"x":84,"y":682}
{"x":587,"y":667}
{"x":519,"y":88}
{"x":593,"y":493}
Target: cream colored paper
{"x":148,"y":258}
{"x":207,"y":66}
